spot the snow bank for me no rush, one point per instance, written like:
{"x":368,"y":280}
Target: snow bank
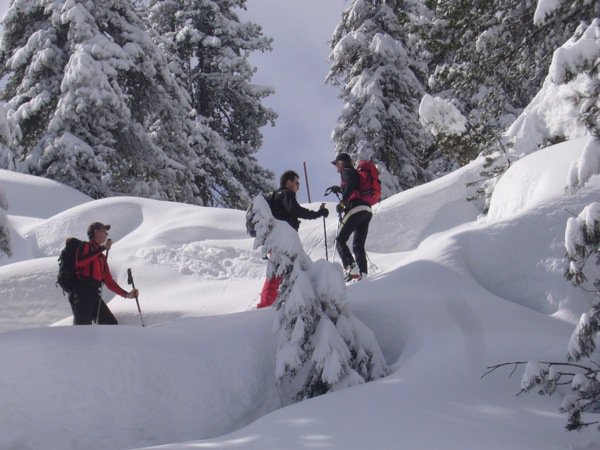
{"x":120,"y":387}
{"x":400,"y":223}
{"x":452,"y":295}
{"x":38,"y":197}
{"x":534,"y":179}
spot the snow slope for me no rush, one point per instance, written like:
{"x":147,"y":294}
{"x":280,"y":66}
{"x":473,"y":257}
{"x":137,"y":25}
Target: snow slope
{"x":449,"y":294}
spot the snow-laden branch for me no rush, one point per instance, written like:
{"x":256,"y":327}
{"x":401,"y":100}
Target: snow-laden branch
{"x":441,"y":117}
{"x":544,"y":377}
{"x":582,"y":240}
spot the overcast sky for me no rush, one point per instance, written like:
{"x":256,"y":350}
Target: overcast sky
{"x":296,"y":69}
{"x":308,"y":109}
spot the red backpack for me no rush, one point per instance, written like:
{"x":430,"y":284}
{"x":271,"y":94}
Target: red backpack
{"x":369,"y":184}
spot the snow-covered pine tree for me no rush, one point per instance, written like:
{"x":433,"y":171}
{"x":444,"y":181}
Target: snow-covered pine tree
{"x":210,"y":47}
{"x":491,"y":58}
{"x":381,"y":80}
{"x":5,"y":243}
{"x":94,"y":105}
{"x":321,"y":345}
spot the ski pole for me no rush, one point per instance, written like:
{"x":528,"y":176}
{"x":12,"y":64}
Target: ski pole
{"x":98,"y":313}
{"x":130,"y":281}
{"x":339,"y":213}
{"x":335,"y":242}
{"x":325,"y":234}
{"x":330,"y":190}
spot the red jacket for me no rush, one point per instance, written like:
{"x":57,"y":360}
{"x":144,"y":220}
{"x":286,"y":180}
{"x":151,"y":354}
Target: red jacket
{"x":91,"y":263}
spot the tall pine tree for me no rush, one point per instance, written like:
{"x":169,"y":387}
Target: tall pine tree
{"x":381,"y":80}
{"x":210,"y":46}
{"x":96,"y":104}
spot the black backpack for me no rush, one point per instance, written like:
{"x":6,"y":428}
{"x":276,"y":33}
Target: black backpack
{"x":66,"y":264}
{"x":250,"y":224}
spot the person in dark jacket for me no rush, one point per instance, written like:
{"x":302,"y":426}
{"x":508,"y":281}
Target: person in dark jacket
{"x":356,"y":217}
{"x":284,"y":206}
{"x":91,"y":269}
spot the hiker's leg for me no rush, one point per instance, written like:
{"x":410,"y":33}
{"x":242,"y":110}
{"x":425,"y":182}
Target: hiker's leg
{"x":360,"y":238}
{"x":81,"y":307}
{"x":342,"y":242}
{"x":105,"y":317}
{"x":269,"y":292}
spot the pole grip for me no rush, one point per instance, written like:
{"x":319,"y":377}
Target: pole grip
{"x":131,"y":282}
{"x":130,"y":278}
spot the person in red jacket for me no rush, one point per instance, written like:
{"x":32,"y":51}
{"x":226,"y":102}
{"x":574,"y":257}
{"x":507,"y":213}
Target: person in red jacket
{"x":91,"y":269}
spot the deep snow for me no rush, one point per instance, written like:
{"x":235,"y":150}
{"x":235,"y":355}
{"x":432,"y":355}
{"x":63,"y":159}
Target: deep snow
{"x":450,"y":293}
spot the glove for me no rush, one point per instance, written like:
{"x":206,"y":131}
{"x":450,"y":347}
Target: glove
{"x":324,"y":212}
{"x":333,"y":190}
{"x":340,"y":207}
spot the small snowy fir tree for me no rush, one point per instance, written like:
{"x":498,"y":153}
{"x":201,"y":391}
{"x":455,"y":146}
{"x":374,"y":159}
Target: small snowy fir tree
{"x":321,"y":346}
{"x":93,"y":103}
{"x":5,"y":244}
{"x":380,"y":79}
{"x":582,"y":373}
{"x":582,"y":242}
{"x":210,"y":48}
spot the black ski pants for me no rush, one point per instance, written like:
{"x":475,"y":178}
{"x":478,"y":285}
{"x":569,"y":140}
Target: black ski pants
{"x":358,"y":223}
{"x":87,"y":305}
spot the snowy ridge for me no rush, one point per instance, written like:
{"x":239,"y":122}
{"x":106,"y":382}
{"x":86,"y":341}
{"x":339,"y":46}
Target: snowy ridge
{"x":38,"y":197}
{"x":451,"y":295}
{"x":530,"y":182}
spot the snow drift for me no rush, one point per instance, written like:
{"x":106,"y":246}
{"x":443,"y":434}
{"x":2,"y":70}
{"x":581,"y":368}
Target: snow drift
{"x":449,"y":294}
